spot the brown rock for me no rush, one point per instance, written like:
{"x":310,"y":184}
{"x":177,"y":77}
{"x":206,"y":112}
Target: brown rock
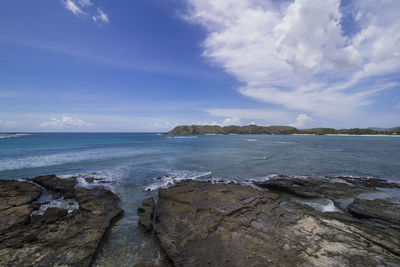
{"x":16,"y":203}
{"x":56,"y":238}
{"x":203,"y":224}
{"x":329,"y":187}
{"x":62,"y":187}
{"x":382,"y":209}
{"x":145,"y":212}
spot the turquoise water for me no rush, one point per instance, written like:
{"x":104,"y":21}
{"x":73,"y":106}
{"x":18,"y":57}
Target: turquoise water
{"x":129,"y":164}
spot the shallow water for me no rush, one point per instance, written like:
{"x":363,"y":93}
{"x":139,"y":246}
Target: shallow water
{"x":129,"y":164}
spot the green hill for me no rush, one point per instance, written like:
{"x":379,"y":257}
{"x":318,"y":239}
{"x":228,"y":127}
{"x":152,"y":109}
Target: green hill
{"x":281,"y":130}
{"x":215,"y":129}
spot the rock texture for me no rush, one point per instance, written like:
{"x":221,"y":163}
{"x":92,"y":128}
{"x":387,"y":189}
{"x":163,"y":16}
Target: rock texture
{"x":58,"y":237}
{"x":60,"y":187}
{"x":145,"y":212}
{"x":387,"y":210}
{"x":204,"y":224}
{"x":330,"y":187}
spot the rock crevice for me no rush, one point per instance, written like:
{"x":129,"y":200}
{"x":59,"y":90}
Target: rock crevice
{"x":203,"y":224}
{"x":58,"y":236}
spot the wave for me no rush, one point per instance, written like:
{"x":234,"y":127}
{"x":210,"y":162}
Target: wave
{"x":68,"y":157}
{"x":174,"y":177}
{"x":322,"y":204}
{"x":3,"y":136}
{"x":250,"y":140}
{"x":60,"y":203}
{"x":107,"y":178}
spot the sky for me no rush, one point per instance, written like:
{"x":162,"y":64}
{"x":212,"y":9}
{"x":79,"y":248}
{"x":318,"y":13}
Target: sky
{"x":150,"y":65}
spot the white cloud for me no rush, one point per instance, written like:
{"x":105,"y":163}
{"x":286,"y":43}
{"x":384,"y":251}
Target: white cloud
{"x":301,"y":121}
{"x":85,"y":3}
{"x":266,"y":115}
{"x":101,"y":17}
{"x":79,"y":8}
{"x":235,"y":120}
{"x":73,"y":7}
{"x":296,"y":54}
{"x":65,"y":122}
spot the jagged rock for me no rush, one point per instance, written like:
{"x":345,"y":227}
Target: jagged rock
{"x":330,"y":187}
{"x":382,"y":209}
{"x":15,"y":203}
{"x":89,"y":179}
{"x":62,"y":187}
{"x":56,"y":238}
{"x":145,"y":212}
{"x":203,"y":224}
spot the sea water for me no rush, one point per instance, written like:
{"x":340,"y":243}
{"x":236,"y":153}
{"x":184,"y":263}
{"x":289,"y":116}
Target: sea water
{"x":135,"y":165}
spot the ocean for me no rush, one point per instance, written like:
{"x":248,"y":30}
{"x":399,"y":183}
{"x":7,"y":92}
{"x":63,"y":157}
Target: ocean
{"x":135,"y":165}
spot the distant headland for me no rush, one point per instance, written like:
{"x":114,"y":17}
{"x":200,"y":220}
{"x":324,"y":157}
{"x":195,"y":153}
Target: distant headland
{"x":278,"y":130}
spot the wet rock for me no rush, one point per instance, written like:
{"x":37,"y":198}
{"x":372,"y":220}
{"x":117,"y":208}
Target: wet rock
{"x":89,"y":179}
{"x":50,"y":216}
{"x":145,"y":212}
{"x":16,"y":203}
{"x":62,"y":187}
{"x":330,"y":187}
{"x":203,"y":224}
{"x":56,"y":238}
{"x":382,"y":209}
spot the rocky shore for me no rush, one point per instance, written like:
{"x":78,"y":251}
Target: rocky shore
{"x":48,"y":221}
{"x":285,"y":221}
{"x":278,"y":222}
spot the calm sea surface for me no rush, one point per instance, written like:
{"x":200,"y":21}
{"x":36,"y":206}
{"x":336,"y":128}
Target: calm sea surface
{"x":130,"y":163}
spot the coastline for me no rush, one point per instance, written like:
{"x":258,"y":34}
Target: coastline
{"x":367,"y":135}
{"x":55,"y":220}
{"x":279,"y":222}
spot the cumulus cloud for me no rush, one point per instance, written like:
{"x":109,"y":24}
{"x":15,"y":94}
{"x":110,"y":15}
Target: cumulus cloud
{"x":266,"y":116}
{"x":65,"y":122}
{"x":301,"y":121}
{"x":297,"y":54}
{"x":231,"y":121}
{"x":101,"y":16}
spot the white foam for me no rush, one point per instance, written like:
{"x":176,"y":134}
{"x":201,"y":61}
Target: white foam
{"x":2,"y":136}
{"x":323,"y":204}
{"x":174,"y":177}
{"x":250,"y":140}
{"x":284,"y":142}
{"x":250,"y":182}
{"x":184,"y":137}
{"x":60,"y":203}
{"x":107,"y":178}
{"x":260,"y":157}
{"x":62,"y":158}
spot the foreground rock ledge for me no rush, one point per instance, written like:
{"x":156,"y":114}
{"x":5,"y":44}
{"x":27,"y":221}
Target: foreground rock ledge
{"x":203,"y":224}
{"x":58,"y":237}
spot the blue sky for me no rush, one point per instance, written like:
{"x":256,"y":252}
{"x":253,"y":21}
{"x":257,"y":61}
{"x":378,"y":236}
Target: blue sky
{"x":148,"y":65}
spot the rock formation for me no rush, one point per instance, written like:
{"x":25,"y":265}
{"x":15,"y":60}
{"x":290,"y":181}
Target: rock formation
{"x":31,"y":235}
{"x":145,"y":212}
{"x":204,"y":224}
